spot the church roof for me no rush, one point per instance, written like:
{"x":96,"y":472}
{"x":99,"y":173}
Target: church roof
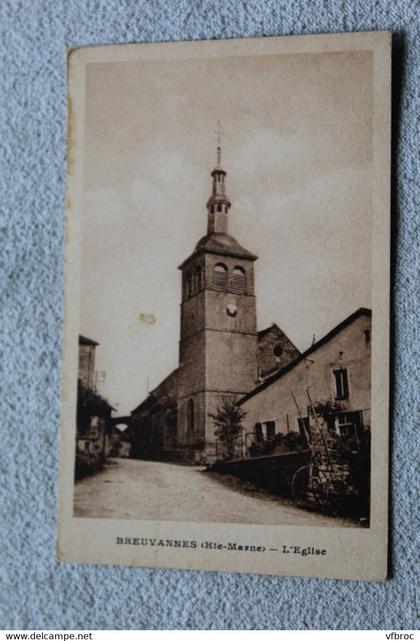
{"x":165,"y":393}
{"x":218,"y":243}
{"x":272,"y":328}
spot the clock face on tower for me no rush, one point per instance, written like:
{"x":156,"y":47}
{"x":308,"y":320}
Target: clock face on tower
{"x":231,"y":310}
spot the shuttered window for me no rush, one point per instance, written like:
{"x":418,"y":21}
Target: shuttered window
{"x":270,"y":427}
{"x":220,"y":276}
{"x":238,"y":281}
{"x":258,"y":432}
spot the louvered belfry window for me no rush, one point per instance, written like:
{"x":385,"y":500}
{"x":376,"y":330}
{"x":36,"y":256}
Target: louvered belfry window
{"x":189,"y":285}
{"x":220,"y":276}
{"x":238,"y":281}
{"x":199,"y":279}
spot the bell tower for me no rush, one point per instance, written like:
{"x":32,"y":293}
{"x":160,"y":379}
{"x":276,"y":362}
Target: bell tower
{"x":217,"y":350}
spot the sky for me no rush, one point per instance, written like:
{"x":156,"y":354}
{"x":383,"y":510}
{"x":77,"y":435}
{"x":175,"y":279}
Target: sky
{"x":298,"y":154}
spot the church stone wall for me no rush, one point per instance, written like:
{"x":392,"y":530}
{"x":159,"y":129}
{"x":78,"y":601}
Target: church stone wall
{"x":217,"y":317}
{"x":192,"y":315}
{"x":230,"y":362}
{"x":274,"y":350}
{"x":192,"y":372}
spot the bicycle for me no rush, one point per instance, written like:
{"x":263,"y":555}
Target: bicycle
{"x":323,"y":486}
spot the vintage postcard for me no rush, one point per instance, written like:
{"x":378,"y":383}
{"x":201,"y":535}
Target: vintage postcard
{"x":226,"y":341}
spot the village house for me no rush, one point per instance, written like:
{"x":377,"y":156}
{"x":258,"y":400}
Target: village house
{"x":87,"y":352}
{"x":93,"y":422}
{"x":334,"y":370}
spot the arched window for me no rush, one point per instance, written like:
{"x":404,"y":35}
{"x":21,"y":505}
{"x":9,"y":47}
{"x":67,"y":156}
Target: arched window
{"x":220,"y":276}
{"x":238,"y":280}
{"x":198,"y":279}
{"x":190,"y":418}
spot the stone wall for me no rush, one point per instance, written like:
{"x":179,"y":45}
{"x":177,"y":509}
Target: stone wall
{"x":274,"y":350}
{"x":349,"y":349}
{"x":273,"y":473}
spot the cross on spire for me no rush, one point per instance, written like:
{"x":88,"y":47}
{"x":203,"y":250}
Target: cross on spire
{"x":220,"y":133}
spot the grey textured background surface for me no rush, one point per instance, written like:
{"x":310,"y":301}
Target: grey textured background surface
{"x":37,"y":591}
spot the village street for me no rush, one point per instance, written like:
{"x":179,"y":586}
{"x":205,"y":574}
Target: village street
{"x":133,"y":489}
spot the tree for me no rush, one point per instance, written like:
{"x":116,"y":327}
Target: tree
{"x":228,"y":420}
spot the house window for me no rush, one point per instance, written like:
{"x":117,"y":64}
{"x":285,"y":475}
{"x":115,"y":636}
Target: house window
{"x":220,"y":276}
{"x":238,"y":280}
{"x":190,"y":418}
{"x":258,"y":431}
{"x":341,"y":384}
{"x":350,"y":424}
{"x":346,"y":429}
{"x":198,"y":279}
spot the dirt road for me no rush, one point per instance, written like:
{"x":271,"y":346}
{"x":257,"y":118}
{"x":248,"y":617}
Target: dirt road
{"x":133,"y":489}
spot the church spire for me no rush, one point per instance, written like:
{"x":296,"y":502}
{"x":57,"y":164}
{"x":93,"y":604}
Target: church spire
{"x":218,"y":204}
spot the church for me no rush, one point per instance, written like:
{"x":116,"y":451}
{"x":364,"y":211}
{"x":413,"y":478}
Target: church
{"x":222,"y":356}
{"x":221,"y":353}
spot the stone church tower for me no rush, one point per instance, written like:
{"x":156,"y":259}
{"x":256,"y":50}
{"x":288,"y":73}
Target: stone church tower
{"x":217,"y":354}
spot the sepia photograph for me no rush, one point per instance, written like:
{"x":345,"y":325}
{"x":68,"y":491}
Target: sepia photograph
{"x":226,"y":296}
